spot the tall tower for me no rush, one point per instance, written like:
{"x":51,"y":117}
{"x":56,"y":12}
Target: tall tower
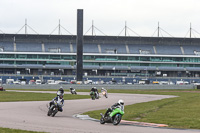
{"x":79,"y":46}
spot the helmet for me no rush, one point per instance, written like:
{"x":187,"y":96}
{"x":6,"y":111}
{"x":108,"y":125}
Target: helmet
{"x":59,"y":93}
{"x":61,"y":90}
{"x":102,"y":88}
{"x":94,"y":87}
{"x":120,"y":102}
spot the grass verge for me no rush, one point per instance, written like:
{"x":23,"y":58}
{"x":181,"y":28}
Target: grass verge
{"x":8,"y":130}
{"x":178,"y":112}
{"x":6,"y":96}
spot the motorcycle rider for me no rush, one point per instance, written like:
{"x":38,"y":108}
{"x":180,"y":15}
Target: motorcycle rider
{"x":59,"y":99}
{"x":103,"y":89}
{"x":70,"y":88}
{"x":119,"y":103}
{"x":94,"y":89}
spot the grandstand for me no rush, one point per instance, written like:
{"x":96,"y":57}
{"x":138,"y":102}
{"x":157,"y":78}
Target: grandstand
{"x":102,"y":55}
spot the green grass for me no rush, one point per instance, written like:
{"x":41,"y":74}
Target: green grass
{"x":66,"y":90}
{"x":179,"y":112}
{"x":8,"y":130}
{"x":6,"y":96}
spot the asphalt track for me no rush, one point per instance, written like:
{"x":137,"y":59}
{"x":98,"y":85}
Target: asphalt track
{"x":33,"y":116}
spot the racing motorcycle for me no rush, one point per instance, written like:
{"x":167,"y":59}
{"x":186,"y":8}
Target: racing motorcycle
{"x":114,"y":116}
{"x":104,"y":93}
{"x":53,"y":109}
{"x":73,"y":91}
{"x":94,"y":95}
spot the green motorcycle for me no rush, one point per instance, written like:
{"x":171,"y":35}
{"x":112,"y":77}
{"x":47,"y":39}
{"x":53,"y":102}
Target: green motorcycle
{"x":114,"y":116}
{"x":94,"y":95}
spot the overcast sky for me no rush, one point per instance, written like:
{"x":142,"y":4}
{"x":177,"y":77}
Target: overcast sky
{"x":109,"y":16}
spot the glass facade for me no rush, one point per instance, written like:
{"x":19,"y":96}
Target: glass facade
{"x":100,"y":60}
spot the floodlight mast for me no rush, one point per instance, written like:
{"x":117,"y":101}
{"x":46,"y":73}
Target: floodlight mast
{"x":79,"y":46}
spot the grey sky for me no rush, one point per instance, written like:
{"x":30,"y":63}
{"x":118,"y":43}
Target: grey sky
{"x":109,"y":16}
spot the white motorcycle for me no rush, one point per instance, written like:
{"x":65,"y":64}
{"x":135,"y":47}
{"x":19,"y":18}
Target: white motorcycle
{"x":73,"y":91}
{"x":54,"y":106}
{"x":104,"y":93}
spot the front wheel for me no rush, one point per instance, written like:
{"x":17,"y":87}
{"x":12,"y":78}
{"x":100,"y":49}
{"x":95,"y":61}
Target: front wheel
{"x":49,"y":112}
{"x":54,"y":112}
{"x":106,"y":95}
{"x":102,"y":120}
{"x":117,"y":119}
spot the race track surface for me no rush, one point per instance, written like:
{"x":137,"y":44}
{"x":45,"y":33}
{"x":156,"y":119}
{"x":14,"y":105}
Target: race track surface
{"x":33,"y":116}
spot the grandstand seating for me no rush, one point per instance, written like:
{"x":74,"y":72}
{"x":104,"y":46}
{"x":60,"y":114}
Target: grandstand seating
{"x":105,"y":48}
{"x":28,"y":47}
{"x":113,"y":48}
{"x":64,"y":47}
{"x":90,"y":48}
{"x":168,"y":49}
{"x":135,"y":48}
{"x":7,"y":46}
{"x":189,"y":49}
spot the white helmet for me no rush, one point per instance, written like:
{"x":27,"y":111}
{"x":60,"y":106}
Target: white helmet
{"x":59,"y":93}
{"x":121,"y":102}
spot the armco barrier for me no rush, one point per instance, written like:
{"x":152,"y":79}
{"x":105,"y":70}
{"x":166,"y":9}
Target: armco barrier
{"x":76,"y":86}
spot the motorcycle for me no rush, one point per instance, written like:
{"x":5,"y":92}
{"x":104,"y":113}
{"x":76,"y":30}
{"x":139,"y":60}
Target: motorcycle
{"x":104,"y":93}
{"x":113,"y":117}
{"x":73,"y":91}
{"x":94,"y":95}
{"x":53,"y":109}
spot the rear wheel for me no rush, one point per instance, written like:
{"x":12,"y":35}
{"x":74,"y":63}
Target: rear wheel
{"x":117,"y":119}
